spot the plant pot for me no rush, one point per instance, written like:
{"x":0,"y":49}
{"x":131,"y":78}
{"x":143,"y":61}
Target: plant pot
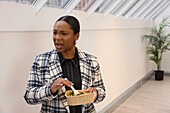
{"x":159,"y":75}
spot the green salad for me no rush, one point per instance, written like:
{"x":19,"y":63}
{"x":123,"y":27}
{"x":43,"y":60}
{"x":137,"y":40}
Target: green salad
{"x":73,"y":94}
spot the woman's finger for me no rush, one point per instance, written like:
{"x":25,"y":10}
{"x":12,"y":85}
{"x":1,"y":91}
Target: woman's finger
{"x":92,"y":90}
{"x":67,"y":83}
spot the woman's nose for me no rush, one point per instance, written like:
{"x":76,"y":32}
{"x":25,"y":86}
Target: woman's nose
{"x":57,"y":37}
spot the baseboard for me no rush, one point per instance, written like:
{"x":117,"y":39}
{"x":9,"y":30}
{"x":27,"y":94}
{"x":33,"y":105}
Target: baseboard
{"x":167,"y":73}
{"x":120,"y":99}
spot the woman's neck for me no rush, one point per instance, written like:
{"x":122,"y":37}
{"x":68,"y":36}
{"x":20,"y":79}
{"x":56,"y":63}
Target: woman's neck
{"x":69,"y":54}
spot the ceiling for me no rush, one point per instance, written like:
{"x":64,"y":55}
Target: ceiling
{"x":136,"y":9}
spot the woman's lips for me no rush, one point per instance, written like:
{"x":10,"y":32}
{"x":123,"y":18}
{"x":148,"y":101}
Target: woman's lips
{"x":58,"y":45}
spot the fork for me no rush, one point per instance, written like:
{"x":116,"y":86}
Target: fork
{"x":75,"y":91}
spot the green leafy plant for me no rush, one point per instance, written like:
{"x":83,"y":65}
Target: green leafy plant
{"x":158,"y":41}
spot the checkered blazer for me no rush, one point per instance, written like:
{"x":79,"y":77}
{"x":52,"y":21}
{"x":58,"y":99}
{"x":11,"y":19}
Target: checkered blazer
{"x":46,"y":68}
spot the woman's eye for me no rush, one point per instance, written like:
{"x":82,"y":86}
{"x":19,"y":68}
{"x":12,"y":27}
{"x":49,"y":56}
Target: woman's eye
{"x":54,"y":33}
{"x":64,"y":34}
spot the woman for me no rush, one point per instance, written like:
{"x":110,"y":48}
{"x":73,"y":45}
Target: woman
{"x":47,"y":84}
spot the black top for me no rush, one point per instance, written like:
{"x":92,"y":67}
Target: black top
{"x":71,"y":71}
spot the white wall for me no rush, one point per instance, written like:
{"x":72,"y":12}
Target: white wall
{"x":165,"y":60}
{"x":23,"y":35}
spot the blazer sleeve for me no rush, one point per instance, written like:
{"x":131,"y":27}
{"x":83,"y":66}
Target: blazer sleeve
{"x":36,"y":92}
{"x":97,"y":82}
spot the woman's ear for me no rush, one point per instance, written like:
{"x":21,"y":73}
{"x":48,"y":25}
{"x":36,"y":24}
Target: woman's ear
{"x":77,"y":36}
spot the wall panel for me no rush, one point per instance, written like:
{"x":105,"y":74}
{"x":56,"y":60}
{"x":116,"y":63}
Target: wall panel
{"x":23,"y":35}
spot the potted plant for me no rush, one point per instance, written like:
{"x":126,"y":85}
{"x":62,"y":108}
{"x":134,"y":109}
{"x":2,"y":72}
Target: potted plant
{"x":158,"y":43}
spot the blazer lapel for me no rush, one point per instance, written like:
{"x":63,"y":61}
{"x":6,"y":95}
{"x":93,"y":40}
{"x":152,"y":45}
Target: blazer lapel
{"x":55,"y":66}
{"x":82,"y":74}
{"x":83,"y":61}
{"x":56,"y":72}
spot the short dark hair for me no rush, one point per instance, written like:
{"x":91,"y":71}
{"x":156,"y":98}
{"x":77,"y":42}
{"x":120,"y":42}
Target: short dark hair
{"x":72,"y":21}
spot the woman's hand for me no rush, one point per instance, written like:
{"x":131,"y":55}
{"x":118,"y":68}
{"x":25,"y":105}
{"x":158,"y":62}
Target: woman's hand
{"x":94,"y":91}
{"x":59,"y":83}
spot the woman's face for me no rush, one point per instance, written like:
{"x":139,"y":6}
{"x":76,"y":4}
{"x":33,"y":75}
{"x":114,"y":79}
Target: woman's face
{"x":63,"y":37}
